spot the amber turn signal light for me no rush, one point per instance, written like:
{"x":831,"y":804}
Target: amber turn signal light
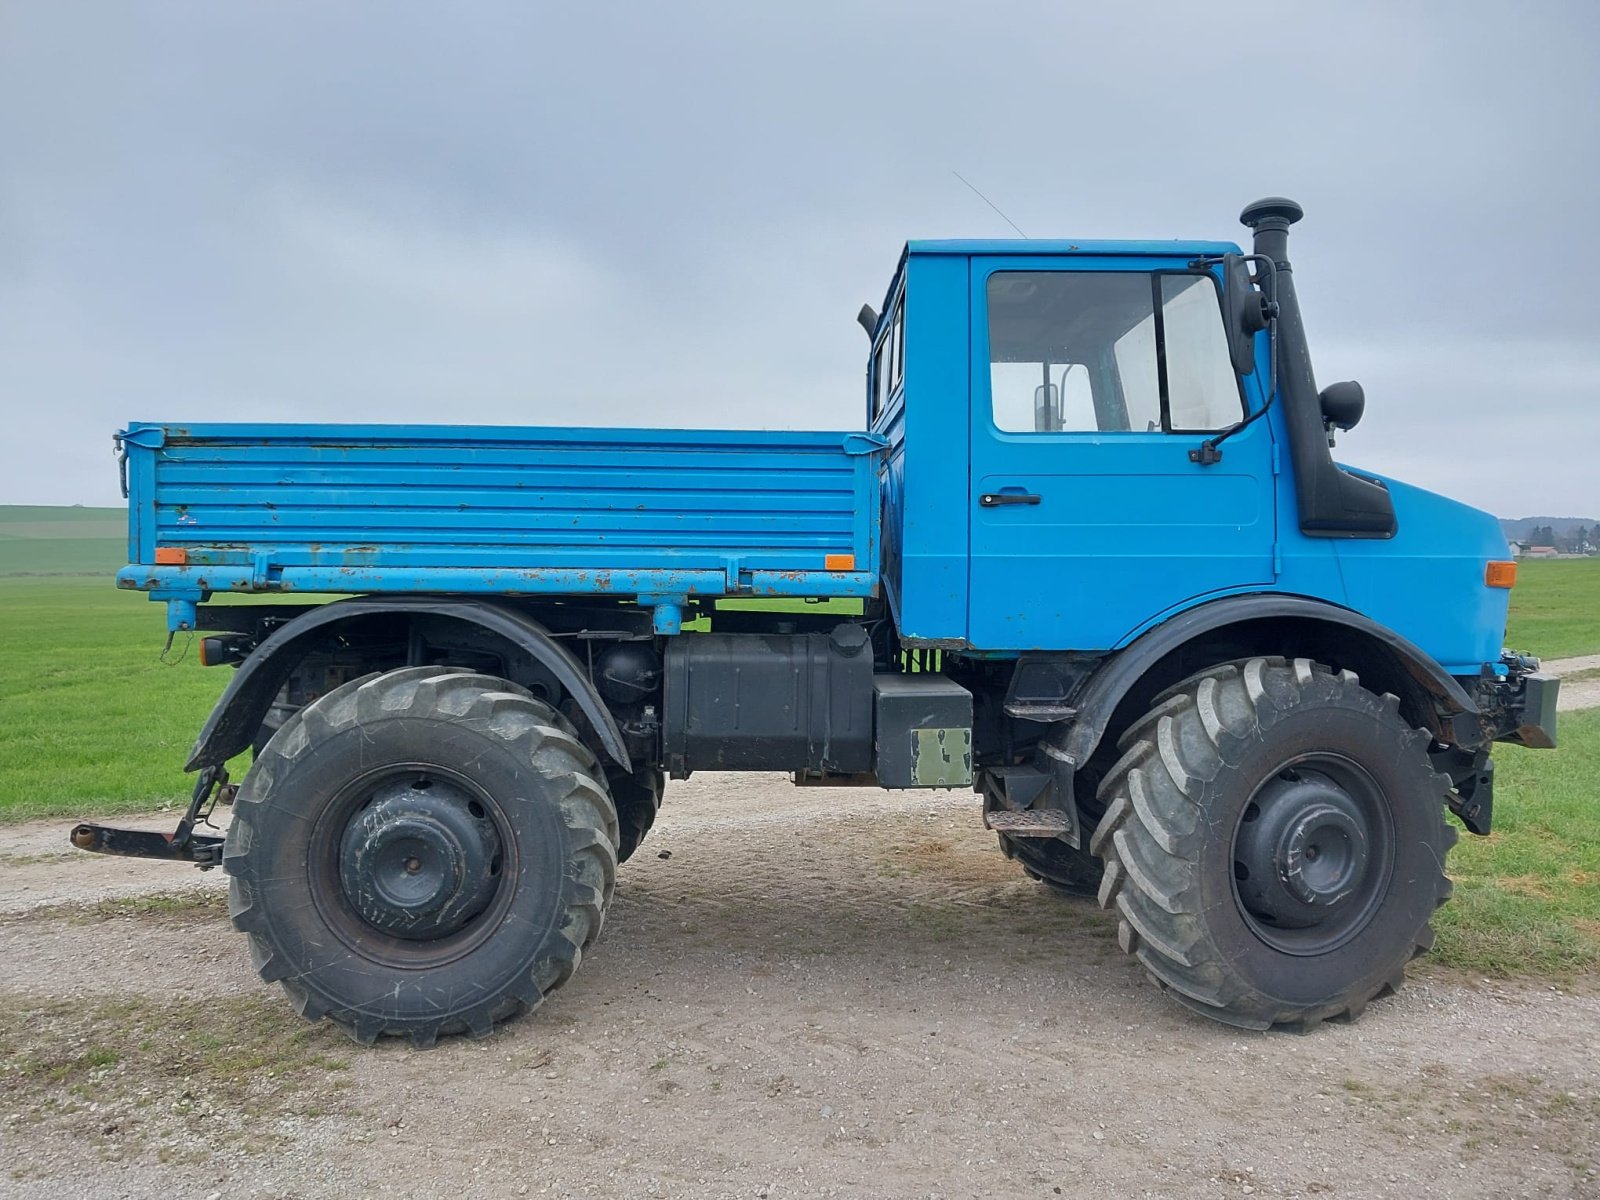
{"x":223,"y":651}
{"x":1500,"y":574}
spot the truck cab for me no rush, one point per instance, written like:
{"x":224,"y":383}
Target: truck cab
{"x":1047,"y":407}
{"x":1090,"y":555}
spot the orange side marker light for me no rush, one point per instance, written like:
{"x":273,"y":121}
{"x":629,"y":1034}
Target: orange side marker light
{"x":171,"y":556}
{"x":839,"y":562}
{"x":1500,"y":574}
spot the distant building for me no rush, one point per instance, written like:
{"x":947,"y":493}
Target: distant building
{"x":1540,"y":552}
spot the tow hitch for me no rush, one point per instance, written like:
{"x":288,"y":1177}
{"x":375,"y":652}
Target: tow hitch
{"x":182,"y":844}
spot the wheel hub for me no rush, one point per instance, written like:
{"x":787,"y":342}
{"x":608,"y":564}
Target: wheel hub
{"x":420,"y":859}
{"x":1303,"y":851}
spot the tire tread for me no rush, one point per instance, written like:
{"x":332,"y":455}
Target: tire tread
{"x":511,"y":715}
{"x":1152,"y":829}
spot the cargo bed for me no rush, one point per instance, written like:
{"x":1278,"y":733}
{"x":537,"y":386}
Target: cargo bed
{"x":513,"y":511}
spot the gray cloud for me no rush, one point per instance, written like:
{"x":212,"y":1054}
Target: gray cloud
{"x":518,"y":213}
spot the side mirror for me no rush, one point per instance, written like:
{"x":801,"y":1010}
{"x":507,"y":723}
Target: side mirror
{"x":1342,"y":404}
{"x":1246,"y":311}
{"x":1046,"y":409}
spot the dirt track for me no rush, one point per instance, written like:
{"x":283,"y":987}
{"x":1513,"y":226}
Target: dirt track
{"x":820,"y":993}
{"x":1583,"y":689}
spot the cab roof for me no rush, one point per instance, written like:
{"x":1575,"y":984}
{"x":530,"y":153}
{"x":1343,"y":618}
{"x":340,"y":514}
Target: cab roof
{"x":1058,"y":246}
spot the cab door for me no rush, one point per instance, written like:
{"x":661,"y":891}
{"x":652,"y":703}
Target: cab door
{"x":1092,"y":381}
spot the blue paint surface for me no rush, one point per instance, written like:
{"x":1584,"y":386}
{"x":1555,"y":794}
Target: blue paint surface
{"x":504,"y":511}
{"x":1128,"y":532}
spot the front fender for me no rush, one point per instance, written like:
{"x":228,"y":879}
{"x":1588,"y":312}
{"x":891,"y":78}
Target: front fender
{"x":1097,"y":698}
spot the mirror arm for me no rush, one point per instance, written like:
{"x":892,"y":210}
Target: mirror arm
{"x":1208,"y":451}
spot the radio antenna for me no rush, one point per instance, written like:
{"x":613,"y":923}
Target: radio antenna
{"x":991,"y":204}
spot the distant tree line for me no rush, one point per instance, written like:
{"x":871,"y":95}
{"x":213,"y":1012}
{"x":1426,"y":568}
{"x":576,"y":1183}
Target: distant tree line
{"x":1579,"y":540}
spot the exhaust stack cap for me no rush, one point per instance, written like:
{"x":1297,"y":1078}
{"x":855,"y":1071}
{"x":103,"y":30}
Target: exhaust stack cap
{"x":1274,"y":212}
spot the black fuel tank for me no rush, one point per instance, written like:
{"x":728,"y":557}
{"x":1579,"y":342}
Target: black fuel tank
{"x":769,"y":702}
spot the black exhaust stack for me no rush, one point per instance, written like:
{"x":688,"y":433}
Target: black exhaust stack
{"x":1333,"y":502}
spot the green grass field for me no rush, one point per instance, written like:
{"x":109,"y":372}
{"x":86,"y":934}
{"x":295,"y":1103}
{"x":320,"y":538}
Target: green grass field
{"x":1555,"y":608}
{"x":93,"y":723}
{"x":92,"y":720}
{"x":1528,"y":895}
{"x":39,"y":540}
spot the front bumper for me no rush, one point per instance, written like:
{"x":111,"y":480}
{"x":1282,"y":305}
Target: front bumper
{"x":1517,"y":702}
{"x":1538,"y":728}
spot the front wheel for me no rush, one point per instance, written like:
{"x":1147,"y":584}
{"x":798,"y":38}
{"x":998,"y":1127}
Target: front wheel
{"x":423,"y":852}
{"x":1274,"y":842}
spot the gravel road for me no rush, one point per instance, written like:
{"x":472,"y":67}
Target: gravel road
{"x":1580,"y":681}
{"x":827,"y":992}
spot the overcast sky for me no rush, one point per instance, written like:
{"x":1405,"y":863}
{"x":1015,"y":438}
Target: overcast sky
{"x":668,"y":214}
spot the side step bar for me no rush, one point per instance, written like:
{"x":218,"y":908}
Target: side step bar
{"x":1025,"y":793}
{"x":1029,"y":822}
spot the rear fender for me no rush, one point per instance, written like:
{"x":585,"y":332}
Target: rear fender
{"x":244,"y":704}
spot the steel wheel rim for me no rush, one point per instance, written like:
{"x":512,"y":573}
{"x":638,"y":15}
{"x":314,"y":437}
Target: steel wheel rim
{"x":344,"y":916}
{"x":1312,"y":854}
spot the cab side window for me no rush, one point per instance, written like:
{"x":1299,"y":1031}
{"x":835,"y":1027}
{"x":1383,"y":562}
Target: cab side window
{"x":880,"y":376}
{"x":1108,"y":351}
{"x":889,"y":359}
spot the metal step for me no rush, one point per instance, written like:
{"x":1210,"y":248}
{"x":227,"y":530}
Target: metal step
{"x":1043,"y":712}
{"x":1031,"y":822}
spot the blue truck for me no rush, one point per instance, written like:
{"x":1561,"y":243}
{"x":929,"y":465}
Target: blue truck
{"x":1091,"y":556}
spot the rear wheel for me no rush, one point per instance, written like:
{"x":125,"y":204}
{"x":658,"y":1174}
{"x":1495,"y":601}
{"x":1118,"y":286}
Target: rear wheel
{"x":638,"y":799}
{"x":423,"y":852}
{"x":1273,"y":841}
{"x":1055,"y":864}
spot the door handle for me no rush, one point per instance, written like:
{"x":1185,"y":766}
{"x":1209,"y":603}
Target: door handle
{"x":996,"y":499}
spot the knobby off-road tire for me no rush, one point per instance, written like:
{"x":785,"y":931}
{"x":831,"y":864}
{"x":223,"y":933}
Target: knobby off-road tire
{"x":1290,"y":767}
{"x":1055,"y":864}
{"x":420,"y":853}
{"x":638,"y":800}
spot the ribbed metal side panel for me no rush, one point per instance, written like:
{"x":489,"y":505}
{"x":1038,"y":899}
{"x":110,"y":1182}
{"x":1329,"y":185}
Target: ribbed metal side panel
{"x":524,"y":499}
